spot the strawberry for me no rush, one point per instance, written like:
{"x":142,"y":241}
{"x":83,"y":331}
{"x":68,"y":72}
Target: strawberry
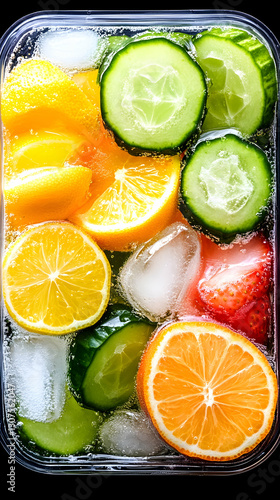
{"x":235,"y":277}
{"x":253,"y":319}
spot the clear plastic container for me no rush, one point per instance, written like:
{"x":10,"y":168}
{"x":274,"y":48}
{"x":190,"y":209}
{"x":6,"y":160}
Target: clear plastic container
{"x":20,"y":38}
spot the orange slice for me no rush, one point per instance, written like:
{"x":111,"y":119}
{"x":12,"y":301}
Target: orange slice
{"x":48,"y":193}
{"x":55,"y":279}
{"x":37,"y":93}
{"x":209,"y":391}
{"x":133,"y":197}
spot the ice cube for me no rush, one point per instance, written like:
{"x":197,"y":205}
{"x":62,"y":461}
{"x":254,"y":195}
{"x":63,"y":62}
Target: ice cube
{"x":129,"y":433}
{"x":37,"y":370}
{"x":156,"y":277}
{"x":71,"y":49}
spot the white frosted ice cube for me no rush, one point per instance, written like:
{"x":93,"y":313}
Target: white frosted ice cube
{"x":71,"y":49}
{"x":156,"y":277}
{"x":37,"y":369}
{"x":129,"y":433}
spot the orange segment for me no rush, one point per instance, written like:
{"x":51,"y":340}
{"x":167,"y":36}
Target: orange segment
{"x":55,"y":279}
{"x":132,"y":197}
{"x":209,"y":391}
{"x":37,"y":93}
{"x":48,"y":193}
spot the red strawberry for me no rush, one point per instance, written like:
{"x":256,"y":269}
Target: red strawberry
{"x":235,"y":276}
{"x":253,"y":319}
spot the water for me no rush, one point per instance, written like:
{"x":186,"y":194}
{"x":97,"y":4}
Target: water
{"x":154,"y":280}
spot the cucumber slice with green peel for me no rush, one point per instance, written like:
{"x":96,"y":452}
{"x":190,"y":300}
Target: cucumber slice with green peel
{"x":153,"y":96}
{"x":226,"y":186}
{"x":75,"y":430}
{"x":104,"y":359}
{"x":243,"y":85}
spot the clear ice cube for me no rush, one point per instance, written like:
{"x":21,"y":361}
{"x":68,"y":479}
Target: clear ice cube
{"x":37,"y":370}
{"x":71,"y":49}
{"x":157,"y":276}
{"x":129,"y":433}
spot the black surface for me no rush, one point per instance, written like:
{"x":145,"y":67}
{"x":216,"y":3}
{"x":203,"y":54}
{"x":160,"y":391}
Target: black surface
{"x":262,"y":482}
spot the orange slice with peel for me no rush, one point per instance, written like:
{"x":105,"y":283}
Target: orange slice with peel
{"x":37,"y":93}
{"x":133,"y":197}
{"x":209,"y":391}
{"x":55,"y":279}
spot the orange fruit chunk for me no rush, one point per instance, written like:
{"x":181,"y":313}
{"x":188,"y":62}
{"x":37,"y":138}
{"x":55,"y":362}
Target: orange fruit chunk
{"x":47,"y":193}
{"x":209,"y":391}
{"x":133,"y":197}
{"x":55,"y":279}
{"x":37,"y":93}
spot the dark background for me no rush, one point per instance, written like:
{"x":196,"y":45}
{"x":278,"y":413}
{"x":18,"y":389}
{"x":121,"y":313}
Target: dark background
{"x":260,"y":483}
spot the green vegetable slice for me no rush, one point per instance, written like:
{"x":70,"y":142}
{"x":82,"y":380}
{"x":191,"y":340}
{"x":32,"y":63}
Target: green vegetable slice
{"x":226,"y":186}
{"x":243,"y":85}
{"x":73,"y":432}
{"x":153,"y":96}
{"x":104,"y":359}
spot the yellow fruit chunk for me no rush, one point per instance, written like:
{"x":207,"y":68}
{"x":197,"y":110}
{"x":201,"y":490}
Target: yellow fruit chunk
{"x":87,"y":81}
{"x":43,"y":149}
{"x":48,"y":193}
{"x":132,"y":197}
{"x":37,"y":93}
{"x":209,"y":391}
{"x":55,"y":279}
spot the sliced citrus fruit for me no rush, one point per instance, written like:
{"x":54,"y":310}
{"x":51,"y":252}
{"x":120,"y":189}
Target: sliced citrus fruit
{"x":132,"y":197}
{"x":209,"y":391}
{"x":48,"y":193}
{"x":87,"y":82}
{"x":55,"y":279}
{"x":36,"y":93}
{"x":43,"y":149}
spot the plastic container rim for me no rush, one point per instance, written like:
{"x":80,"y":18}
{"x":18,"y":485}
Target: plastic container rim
{"x":193,"y":20}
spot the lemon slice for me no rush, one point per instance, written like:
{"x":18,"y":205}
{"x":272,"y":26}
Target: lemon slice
{"x":55,"y":279}
{"x":36,"y":92}
{"x":48,"y":193}
{"x":44,"y":149}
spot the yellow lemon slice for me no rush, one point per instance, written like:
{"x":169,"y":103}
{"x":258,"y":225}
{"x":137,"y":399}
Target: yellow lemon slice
{"x":55,"y":279}
{"x":43,"y":149}
{"x":37,"y":92}
{"x":48,"y":193}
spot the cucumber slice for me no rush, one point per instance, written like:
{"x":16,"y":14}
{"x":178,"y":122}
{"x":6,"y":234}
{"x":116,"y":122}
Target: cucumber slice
{"x":73,"y":432}
{"x":243,"y":87}
{"x":153,"y":96}
{"x":226,"y":186}
{"x":104,"y":359}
